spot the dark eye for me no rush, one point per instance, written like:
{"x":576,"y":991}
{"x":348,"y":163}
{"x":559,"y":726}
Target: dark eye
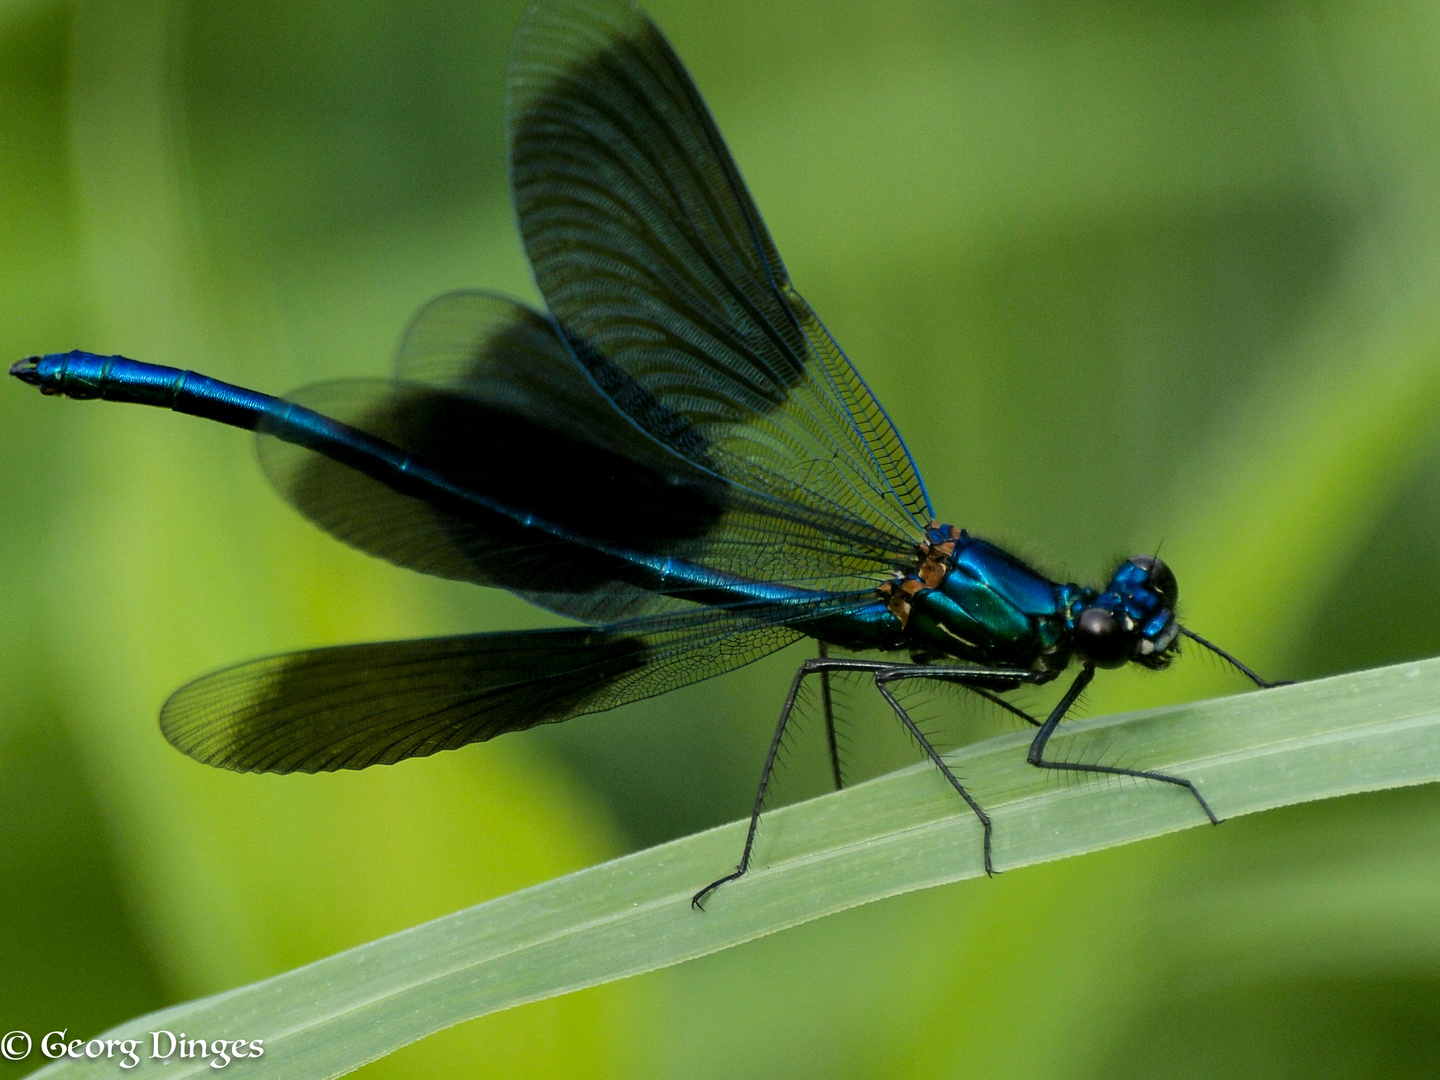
{"x":1161,"y":578}
{"x":1099,"y":635}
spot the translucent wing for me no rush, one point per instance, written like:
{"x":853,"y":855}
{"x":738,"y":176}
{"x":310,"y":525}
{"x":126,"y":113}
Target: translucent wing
{"x":490,"y":394}
{"x":654,"y":260}
{"x":358,"y":705}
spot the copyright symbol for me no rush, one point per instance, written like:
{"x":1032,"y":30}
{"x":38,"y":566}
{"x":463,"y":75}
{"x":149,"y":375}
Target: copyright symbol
{"x":15,"y":1046}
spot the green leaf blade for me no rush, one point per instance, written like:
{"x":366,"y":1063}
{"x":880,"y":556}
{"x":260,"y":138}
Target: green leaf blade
{"x":905,"y":831}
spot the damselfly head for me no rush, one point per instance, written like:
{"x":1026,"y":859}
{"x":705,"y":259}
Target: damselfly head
{"x":1133,"y":619}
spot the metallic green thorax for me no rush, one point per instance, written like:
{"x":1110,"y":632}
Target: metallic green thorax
{"x":970,"y":600}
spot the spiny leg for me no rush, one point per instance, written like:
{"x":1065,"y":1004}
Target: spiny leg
{"x":698,"y":900}
{"x":998,"y":700}
{"x":1037,"y":758}
{"x":934,"y":756}
{"x":967,"y":680}
{"x":828,"y":706}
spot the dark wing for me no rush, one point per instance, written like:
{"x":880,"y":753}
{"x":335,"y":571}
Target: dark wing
{"x":681,"y":400}
{"x":489,"y":393}
{"x":358,"y":705}
{"x":660,"y":272}
{"x":534,"y":435}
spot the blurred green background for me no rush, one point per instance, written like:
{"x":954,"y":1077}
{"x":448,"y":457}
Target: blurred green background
{"x":1124,"y":275}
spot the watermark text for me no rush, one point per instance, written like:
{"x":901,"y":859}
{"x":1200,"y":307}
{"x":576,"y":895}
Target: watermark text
{"x":161,"y":1046}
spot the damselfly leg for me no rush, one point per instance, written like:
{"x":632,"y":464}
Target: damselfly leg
{"x":883,"y":673}
{"x":1036,"y":756}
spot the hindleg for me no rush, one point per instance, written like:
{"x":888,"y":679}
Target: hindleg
{"x":809,"y":667}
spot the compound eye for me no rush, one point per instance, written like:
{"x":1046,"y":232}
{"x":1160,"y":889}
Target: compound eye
{"x":1161,"y":578}
{"x":1101,"y":638}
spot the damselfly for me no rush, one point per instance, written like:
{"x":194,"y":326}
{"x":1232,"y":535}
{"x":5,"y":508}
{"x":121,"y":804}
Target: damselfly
{"x":675,"y":453}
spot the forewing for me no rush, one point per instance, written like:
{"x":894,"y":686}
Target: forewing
{"x":655,"y":261}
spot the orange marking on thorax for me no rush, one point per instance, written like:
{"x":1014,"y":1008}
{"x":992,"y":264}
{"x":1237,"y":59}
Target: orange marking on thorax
{"x":932,"y":563}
